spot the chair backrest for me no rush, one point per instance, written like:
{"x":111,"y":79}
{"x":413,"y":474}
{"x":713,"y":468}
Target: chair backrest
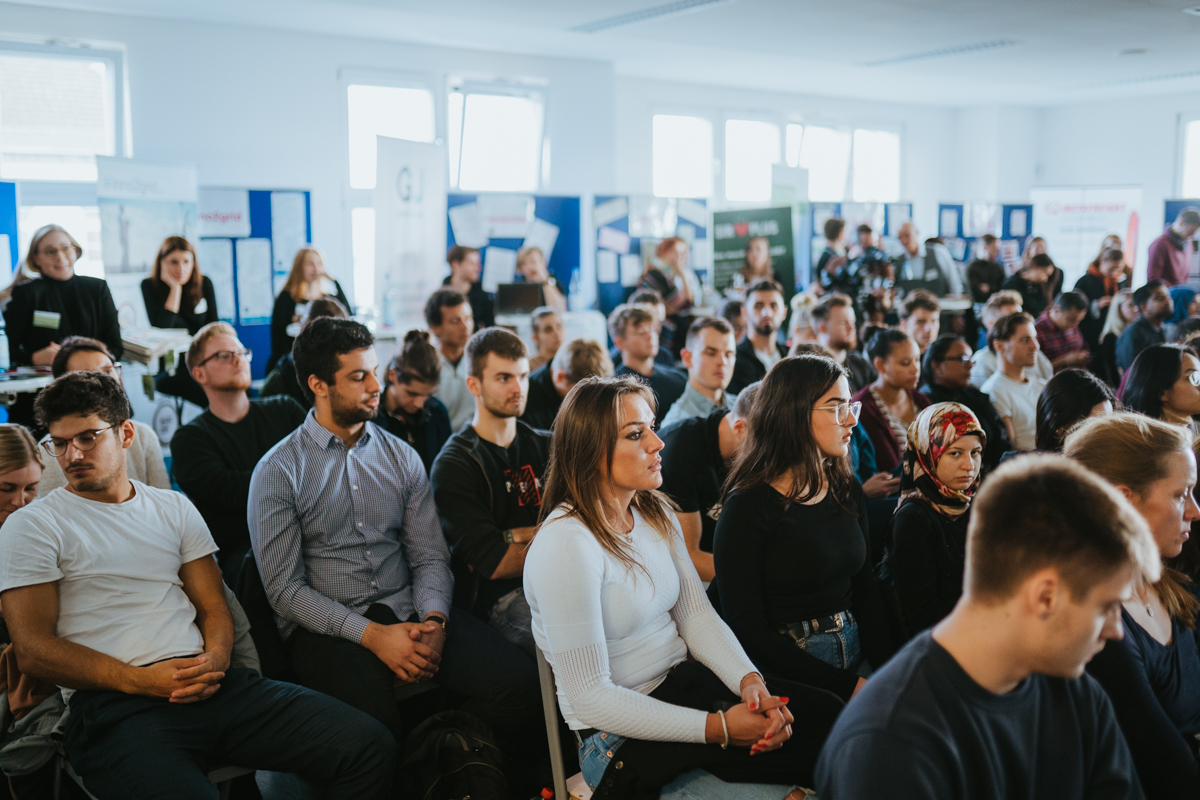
{"x":550,"y":710}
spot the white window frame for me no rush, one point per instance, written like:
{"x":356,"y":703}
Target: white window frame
{"x":1181,"y":151}
{"x":531,"y":89}
{"x":714,"y":119}
{"x":720,"y":144}
{"x":898,"y":132}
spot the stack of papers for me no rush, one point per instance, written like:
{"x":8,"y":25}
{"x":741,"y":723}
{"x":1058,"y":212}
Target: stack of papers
{"x":144,"y":345}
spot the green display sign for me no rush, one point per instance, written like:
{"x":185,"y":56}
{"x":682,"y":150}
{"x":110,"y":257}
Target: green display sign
{"x":732,"y":231}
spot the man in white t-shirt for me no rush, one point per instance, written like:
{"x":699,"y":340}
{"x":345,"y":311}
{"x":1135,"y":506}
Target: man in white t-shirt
{"x":1014,"y":393}
{"x":110,"y":590}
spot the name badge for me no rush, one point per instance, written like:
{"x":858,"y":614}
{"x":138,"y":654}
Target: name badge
{"x":46,"y":319}
{"x":201,"y":307}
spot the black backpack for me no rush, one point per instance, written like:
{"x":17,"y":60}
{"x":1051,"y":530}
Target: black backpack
{"x":452,"y":756}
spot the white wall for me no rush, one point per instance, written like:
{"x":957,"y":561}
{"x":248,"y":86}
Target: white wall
{"x":266,"y":109}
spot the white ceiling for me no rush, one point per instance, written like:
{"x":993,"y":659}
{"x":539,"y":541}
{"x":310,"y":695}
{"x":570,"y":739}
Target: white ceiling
{"x":944,"y":52}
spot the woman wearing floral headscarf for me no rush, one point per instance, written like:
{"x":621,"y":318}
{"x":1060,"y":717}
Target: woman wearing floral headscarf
{"x":926,"y":547}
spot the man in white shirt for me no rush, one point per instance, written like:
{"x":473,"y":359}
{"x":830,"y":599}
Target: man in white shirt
{"x":450,"y":319}
{"x":984,"y":364}
{"x":111,"y":592}
{"x":1014,"y":394}
{"x":708,"y":355}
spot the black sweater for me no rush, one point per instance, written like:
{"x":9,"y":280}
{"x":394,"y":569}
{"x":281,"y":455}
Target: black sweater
{"x":213,"y":460}
{"x":924,"y":562}
{"x":777,"y":567}
{"x":282,"y":316}
{"x":155,"y":297}
{"x":84,"y":307}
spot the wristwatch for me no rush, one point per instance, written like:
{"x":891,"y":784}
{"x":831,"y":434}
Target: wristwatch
{"x":507,"y":535}
{"x":439,"y":619}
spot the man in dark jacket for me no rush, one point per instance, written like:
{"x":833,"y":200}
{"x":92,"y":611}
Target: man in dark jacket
{"x":548,"y":385}
{"x":487,"y":485}
{"x":761,"y":349}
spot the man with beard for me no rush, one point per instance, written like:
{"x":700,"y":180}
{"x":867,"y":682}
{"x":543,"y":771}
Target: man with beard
{"x":353,"y":559}
{"x":214,"y":454}
{"x":761,"y":349}
{"x":837,"y":332}
{"x":487,"y":484}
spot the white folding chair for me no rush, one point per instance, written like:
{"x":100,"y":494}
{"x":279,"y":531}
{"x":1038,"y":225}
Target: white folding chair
{"x":575,"y":787}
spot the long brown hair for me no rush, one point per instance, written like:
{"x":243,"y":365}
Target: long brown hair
{"x":585,"y":435}
{"x":18,"y":449}
{"x":780,"y":438}
{"x":194,"y":288}
{"x":296,"y":286}
{"x":1131,"y":450}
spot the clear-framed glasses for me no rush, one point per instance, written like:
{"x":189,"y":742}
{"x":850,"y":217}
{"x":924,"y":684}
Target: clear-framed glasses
{"x":969,"y":358}
{"x":83,"y":441}
{"x":226,"y":356}
{"x":1194,"y":378}
{"x":843,"y":412}
{"x":112,"y":370}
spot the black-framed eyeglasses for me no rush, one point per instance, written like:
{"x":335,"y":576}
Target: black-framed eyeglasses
{"x":226,"y":356}
{"x":83,"y":441}
{"x":843,"y":411}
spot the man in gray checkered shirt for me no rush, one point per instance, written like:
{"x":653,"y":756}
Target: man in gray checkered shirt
{"x":353,"y":559}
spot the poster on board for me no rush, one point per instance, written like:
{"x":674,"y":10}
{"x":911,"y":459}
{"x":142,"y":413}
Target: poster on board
{"x":410,"y":229}
{"x":1075,"y":219}
{"x":733,"y":230}
{"x":140,"y":205}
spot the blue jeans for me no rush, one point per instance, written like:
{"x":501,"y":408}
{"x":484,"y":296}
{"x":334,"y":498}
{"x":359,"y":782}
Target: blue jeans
{"x":841,"y":649}
{"x":513,"y":619}
{"x":598,"y":749}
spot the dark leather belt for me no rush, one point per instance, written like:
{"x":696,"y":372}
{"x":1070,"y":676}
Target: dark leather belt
{"x":799,"y":631}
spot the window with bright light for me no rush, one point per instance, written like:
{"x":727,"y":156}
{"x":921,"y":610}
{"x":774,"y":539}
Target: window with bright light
{"x":362,"y":250}
{"x":825,"y":153}
{"x":82,"y":222}
{"x":682,"y":156}
{"x":795,"y":135}
{"x":876,"y":166}
{"x":57,"y":113}
{"x":495,"y":141}
{"x":751,"y":148}
{"x":1191,"y":160}
{"x":402,"y":113}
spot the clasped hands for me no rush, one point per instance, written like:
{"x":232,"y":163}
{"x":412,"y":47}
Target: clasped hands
{"x":182,"y":680}
{"x":412,"y":650}
{"x":761,"y":721}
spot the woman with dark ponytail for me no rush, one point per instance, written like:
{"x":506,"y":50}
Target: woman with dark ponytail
{"x":408,"y":408}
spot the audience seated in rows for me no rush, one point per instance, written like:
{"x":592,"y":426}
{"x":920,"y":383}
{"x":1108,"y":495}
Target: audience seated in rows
{"x":1164,"y":383}
{"x":927,"y":538}
{"x":308,"y":281}
{"x":449,"y":317}
{"x":1058,"y":332}
{"x":695,"y":462}
{"x":407,"y":408}
{"x":761,"y":349}
{"x":1154,"y":308}
{"x":465,"y":266}
{"x":213,"y":456}
{"x":1121,"y":312}
{"x":837,"y":332}
{"x":792,"y":548}
{"x":891,"y":403}
{"x":1152,"y":674}
{"x":574,"y":361}
{"x":652,"y":302}
{"x":282,"y":379}
{"x":143,"y":458}
{"x":110,"y":591}
{"x":487,"y":484}
{"x":618,"y":609}
{"x":985,"y":362}
{"x":634,"y":331}
{"x":546,"y":328}
{"x":1013,"y":392}
{"x":946,"y":378}
{"x":921,"y":317}
{"x":991,"y":702}
{"x":733,"y":311}
{"x":1067,"y":399}
{"x":986,"y":273}
{"x":354,"y":562}
{"x":708,"y":354}
{"x":1035,"y":282}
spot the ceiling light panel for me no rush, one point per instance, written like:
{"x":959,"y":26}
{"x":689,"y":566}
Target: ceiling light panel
{"x":995,"y":44}
{"x":667,"y":9}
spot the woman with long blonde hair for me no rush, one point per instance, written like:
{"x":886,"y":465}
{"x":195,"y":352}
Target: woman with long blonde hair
{"x":1152,"y":674}
{"x":307,"y":281}
{"x":653,"y":683}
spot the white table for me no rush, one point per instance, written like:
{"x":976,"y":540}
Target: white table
{"x":10,"y":389}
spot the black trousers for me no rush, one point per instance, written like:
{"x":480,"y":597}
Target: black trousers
{"x":639,"y":769}
{"x":127,"y":747}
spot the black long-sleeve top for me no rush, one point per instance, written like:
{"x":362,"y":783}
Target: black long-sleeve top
{"x":155,"y":297}
{"x":78,"y":306}
{"x":779,"y":566}
{"x":1155,"y":689}
{"x":926,"y":555}
{"x":283,"y":315}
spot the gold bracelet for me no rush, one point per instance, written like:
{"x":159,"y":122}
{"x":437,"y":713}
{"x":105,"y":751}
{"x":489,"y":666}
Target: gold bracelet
{"x":751,"y":675}
{"x":725,"y":728}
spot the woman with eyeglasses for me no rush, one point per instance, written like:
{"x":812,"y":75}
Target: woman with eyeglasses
{"x":144,"y":458}
{"x":1164,"y":383}
{"x":946,"y":378}
{"x":925,"y":555}
{"x":791,"y":548}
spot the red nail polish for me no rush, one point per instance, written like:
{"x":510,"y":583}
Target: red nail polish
{"x":753,"y":706}
{"x":768,"y":736}
{"x":783,"y":700}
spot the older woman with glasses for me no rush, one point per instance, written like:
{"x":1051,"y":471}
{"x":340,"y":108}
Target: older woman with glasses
{"x":946,"y":378}
{"x":791,"y":548}
{"x":144,"y":458}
